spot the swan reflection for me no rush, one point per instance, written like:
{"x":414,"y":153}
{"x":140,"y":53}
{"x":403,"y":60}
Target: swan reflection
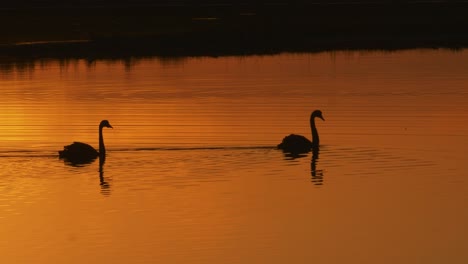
{"x":316,"y":174}
{"x":105,"y":186}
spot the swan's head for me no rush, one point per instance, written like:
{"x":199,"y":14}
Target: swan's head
{"x":105,"y":123}
{"x":317,"y":113}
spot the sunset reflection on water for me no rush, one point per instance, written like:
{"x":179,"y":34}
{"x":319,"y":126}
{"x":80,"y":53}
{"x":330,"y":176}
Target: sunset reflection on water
{"x":192,"y":173}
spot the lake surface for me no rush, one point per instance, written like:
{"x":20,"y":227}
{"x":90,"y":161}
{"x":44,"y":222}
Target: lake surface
{"x":192,"y":174}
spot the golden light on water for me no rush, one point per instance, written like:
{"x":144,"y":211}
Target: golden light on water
{"x":205,"y":103}
{"x":192,"y":172}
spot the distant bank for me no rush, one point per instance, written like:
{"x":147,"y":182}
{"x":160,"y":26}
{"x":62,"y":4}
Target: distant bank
{"x":102,"y":30}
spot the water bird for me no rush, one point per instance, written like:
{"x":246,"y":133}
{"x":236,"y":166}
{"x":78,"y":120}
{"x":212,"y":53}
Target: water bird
{"x":300,"y":144}
{"x":81,"y":153}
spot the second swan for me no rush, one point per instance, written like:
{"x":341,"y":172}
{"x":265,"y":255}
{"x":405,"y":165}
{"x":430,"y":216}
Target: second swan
{"x":300,"y":144}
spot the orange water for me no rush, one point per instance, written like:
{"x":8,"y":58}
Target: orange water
{"x":192,"y":175}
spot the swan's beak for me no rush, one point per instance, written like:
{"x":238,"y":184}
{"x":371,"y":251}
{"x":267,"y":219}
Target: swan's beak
{"x":109,"y":126}
{"x":321,"y":117}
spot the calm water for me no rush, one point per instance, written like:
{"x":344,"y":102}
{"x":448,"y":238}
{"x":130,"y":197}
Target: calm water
{"x":192,"y":175}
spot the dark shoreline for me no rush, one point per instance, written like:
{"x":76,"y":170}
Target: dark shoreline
{"x":168,"y":31}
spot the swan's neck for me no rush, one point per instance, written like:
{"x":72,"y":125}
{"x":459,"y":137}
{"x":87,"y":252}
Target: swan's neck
{"x":315,"y":136}
{"x":102,"y":149}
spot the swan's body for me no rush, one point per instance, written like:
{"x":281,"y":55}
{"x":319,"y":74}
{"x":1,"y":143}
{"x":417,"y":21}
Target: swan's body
{"x":295,"y":144}
{"x":79,"y":152}
{"x":300,"y":144}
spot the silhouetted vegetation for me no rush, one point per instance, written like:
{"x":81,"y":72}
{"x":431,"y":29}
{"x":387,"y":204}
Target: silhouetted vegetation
{"x":191,"y":28}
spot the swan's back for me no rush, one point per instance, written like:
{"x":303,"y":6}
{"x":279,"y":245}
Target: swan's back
{"x":78,"y":152}
{"x":295,"y":144}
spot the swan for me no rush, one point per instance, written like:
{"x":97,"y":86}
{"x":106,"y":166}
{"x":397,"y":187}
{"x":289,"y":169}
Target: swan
{"x":79,"y":152}
{"x":300,"y":144}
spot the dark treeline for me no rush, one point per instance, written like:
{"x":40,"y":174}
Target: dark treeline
{"x":149,"y":28}
{"x":116,"y":3}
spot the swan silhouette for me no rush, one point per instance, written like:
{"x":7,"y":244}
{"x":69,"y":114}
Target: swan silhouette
{"x":300,"y":144}
{"x":81,"y":153}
